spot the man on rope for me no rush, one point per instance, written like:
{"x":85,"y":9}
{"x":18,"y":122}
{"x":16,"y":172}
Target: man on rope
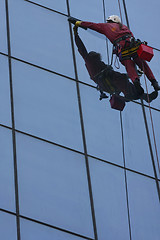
{"x":106,"y":78}
{"x":121,"y":37}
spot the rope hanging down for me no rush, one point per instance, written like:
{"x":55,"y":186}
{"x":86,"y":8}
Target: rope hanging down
{"x":153,"y":131}
{"x":155,"y":145}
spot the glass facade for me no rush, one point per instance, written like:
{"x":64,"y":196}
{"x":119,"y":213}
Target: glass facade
{"x":71,"y":167}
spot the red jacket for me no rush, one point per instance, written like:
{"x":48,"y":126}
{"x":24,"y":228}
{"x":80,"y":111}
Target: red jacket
{"x":111,"y":30}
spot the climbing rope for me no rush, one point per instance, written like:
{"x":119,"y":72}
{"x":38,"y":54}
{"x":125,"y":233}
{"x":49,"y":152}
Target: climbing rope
{"x":104,"y":16}
{"x":147,"y":93}
{"x":120,"y":11}
{"x":153,"y":131}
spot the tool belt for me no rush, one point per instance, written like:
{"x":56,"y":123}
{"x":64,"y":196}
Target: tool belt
{"x":104,"y":81}
{"x":127,"y":52}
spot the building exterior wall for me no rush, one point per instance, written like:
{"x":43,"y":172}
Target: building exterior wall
{"x":70,"y":166}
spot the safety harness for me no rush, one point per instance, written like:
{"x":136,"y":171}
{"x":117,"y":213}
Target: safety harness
{"x":130,"y":48}
{"x":104,"y":82}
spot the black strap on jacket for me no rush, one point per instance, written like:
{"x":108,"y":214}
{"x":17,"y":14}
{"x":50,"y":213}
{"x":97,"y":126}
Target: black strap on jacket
{"x":122,"y":38}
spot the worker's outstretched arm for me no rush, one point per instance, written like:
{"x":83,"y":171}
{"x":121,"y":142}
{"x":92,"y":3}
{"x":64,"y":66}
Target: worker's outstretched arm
{"x":98,"y":27}
{"x":81,"y":48}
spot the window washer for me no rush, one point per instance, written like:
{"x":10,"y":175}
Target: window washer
{"x":122,"y":37}
{"x":105,"y":77}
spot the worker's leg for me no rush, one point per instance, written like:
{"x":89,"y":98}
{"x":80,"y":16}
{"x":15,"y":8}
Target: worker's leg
{"x":130,"y":68}
{"x":132,"y":74}
{"x":150,"y":97}
{"x":144,"y":67}
{"x":119,"y":81}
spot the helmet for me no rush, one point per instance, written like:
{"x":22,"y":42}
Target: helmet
{"x":114,"y":18}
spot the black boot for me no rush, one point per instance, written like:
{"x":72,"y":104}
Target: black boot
{"x":155,"y":85}
{"x":138,"y":87}
{"x":150,"y":96}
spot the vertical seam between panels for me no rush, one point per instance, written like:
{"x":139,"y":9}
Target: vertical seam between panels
{"x":13,"y":122}
{"x":83,"y":131}
{"x":123,"y":152}
{"x":126,"y":15}
{"x":151,"y":151}
{"x":146,"y":124}
{"x":104,"y":16}
{"x":125,"y":176}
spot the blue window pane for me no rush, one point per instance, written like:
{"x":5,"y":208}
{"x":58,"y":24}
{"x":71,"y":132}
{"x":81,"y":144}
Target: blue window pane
{"x":46,"y":105}
{"x":137,"y":153}
{"x":90,"y":10}
{"x":32,"y":231}
{"x":144,"y":207}
{"x":8,"y":226}
{"x":3,"y":29}
{"x":102,"y":126}
{"x":46,"y":39}
{"x":55,"y":5}
{"x":138,"y":24}
{"x":110,"y":200}
{"x":53,"y":185}
{"x":145,"y":28}
{"x":7,"y":197}
{"x":92,"y":42}
{"x":112,"y":7}
{"x":5,"y":107}
{"x":155,"y":144}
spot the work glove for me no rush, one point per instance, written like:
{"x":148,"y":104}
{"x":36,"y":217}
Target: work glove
{"x":73,"y":20}
{"x":76,"y":21}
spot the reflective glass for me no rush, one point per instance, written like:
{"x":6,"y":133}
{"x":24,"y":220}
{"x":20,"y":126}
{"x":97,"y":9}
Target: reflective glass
{"x":46,"y":39}
{"x":32,"y":231}
{"x":92,"y":42}
{"x":3,"y":28}
{"x":137,"y":153}
{"x":155,"y":115}
{"x":55,"y":5}
{"x":102,"y":126}
{"x":5,"y":107}
{"x":91,"y":39}
{"x":7,"y":196}
{"x":146,"y":29}
{"x":8,"y":226}
{"x":144,"y":207}
{"x":110,"y":200}
{"x":87,"y":10}
{"x":46,"y":105}
{"x":53,"y":185}
{"x":112,"y":8}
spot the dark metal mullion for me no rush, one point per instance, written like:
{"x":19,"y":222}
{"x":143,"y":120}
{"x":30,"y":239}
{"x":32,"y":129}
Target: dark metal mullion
{"x":76,"y":151}
{"x":83,"y":132}
{"x":126,"y":15}
{"x":65,"y":76}
{"x":146,"y":124}
{"x":13,"y":122}
{"x":51,"y":71}
{"x":104,"y":17}
{"x":151,"y":151}
{"x":47,"y":8}
{"x":125,"y":176}
{"x":45,"y":224}
{"x":54,"y":227}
